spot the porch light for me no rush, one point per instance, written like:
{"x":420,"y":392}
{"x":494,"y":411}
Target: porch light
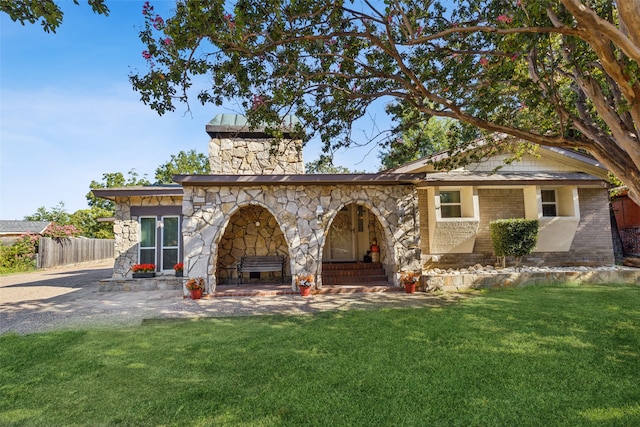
{"x":319,"y":213}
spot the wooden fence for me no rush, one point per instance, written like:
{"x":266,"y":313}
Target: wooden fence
{"x":55,"y":252}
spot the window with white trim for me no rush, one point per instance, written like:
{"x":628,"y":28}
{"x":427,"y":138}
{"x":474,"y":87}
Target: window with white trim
{"x":170,"y":239}
{"x":549,"y":203}
{"x":450,"y":204}
{"x":147,"y":246}
{"x":159,"y":241}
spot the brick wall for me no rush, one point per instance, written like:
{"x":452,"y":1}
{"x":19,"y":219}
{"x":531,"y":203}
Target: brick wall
{"x":591,"y":246}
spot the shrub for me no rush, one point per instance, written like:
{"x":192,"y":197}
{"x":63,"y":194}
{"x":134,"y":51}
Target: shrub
{"x":514,"y":236}
{"x":21,"y":255}
{"x":57,"y":231}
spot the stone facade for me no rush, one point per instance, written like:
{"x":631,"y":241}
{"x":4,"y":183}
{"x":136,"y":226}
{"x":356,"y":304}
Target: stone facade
{"x":252,"y":231}
{"x":208,"y":212}
{"x":227,"y":214}
{"x":126,"y":227}
{"x":255,"y":156}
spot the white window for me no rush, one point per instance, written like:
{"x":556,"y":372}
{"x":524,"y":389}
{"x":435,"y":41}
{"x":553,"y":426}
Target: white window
{"x":166,"y":243}
{"x":549,"y":203}
{"x":147,"y":245}
{"x":170,"y":239}
{"x":450,"y":204}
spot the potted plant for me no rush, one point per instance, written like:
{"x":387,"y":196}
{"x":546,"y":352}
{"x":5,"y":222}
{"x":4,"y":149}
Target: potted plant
{"x":179,"y":269}
{"x":195,"y":287}
{"x":143,"y":270}
{"x":304,"y":282}
{"x":409,"y":280}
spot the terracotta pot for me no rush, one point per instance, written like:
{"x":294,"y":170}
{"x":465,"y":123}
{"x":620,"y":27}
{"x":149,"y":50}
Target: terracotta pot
{"x":305,"y":290}
{"x":410,"y":287}
{"x":196,"y":293}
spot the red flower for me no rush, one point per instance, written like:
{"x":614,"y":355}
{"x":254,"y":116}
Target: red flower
{"x":143,"y":268}
{"x":158,"y":23}
{"x":505,"y":19}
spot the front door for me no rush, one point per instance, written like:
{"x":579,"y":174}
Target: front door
{"x":348,"y":235}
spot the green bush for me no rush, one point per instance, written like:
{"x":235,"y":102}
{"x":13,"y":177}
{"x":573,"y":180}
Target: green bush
{"x":513,"y":236}
{"x":20,"y":256}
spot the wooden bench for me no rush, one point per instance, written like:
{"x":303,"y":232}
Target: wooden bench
{"x":259,"y":264}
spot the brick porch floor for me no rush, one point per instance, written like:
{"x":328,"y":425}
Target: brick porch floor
{"x":273,"y":289}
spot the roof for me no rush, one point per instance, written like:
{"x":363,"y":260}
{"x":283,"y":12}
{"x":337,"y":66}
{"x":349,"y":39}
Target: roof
{"x":22,"y":227}
{"x":466,"y":178}
{"x":443,"y":179}
{"x":139,"y":190}
{"x":561,"y":155}
{"x":301,"y":179}
{"x":224,"y":125}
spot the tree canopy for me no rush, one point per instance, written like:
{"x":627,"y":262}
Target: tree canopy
{"x":189,"y":162}
{"x":46,"y":12}
{"x":425,"y":138}
{"x":560,"y":73}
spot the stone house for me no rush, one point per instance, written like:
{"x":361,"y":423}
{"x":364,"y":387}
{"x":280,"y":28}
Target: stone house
{"x":258,"y":201}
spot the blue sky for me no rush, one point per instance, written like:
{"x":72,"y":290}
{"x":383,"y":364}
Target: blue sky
{"x":68,"y":113}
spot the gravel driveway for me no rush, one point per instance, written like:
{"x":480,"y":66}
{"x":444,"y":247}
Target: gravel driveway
{"x":68,"y":298}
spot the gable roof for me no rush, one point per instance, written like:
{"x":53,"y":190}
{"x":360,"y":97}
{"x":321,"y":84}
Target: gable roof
{"x":569,"y":158}
{"x":18,"y":227}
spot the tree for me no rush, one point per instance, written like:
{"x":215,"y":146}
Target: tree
{"x":324,"y":164}
{"x":560,"y":73}
{"x":424,"y":138}
{"x":189,"y":163}
{"x":57,"y":214}
{"x":110,"y":180}
{"x":88,"y":221}
{"x":47,"y":12}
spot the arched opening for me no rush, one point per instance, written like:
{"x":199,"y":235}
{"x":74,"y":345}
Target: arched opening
{"x":349,"y":256}
{"x":252,"y":231}
{"x":350,"y":235}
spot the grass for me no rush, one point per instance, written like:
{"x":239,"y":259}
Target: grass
{"x":22,"y":268}
{"x":537,"y":356}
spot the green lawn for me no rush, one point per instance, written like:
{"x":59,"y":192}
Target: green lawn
{"x":538,"y":356}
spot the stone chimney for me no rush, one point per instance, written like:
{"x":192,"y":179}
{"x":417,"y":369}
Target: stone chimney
{"x":234,"y":149}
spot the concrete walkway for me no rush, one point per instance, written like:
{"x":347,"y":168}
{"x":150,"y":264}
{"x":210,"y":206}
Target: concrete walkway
{"x":68,"y":298}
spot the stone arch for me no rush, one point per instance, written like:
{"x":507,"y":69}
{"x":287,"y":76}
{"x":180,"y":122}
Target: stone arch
{"x":386,"y":240}
{"x":247,"y":231}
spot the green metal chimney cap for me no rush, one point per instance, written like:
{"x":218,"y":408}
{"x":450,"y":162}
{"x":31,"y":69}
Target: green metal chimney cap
{"x":225,"y":125}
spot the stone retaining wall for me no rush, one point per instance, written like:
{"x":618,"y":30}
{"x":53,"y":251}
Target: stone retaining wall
{"x":161,"y":283}
{"x":461,"y":282}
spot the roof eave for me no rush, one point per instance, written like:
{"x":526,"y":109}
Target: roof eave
{"x":302,"y":179}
